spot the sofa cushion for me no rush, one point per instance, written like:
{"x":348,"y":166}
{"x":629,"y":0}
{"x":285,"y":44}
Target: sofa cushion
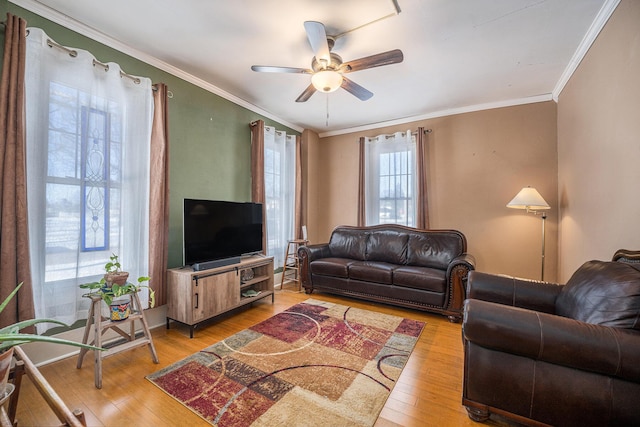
{"x":435,"y":250}
{"x":336,"y":267}
{"x":345,"y":243}
{"x":604,"y":293}
{"x":423,"y":278}
{"x":387,"y":246}
{"x":371,"y":271}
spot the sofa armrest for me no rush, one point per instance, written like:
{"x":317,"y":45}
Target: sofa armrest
{"x":457,"y":276}
{"x":553,"y":339}
{"x":468,"y":260}
{"x":306,"y":254}
{"x":523,"y":293}
{"x":313,"y":252}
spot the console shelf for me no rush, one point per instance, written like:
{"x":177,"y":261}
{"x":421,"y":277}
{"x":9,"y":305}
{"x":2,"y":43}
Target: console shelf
{"x":253,"y":281}
{"x":197,"y":296}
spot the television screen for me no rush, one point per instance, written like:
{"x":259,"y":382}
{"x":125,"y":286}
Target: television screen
{"x":215,"y":229}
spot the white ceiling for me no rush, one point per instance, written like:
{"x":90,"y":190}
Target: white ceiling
{"x":459,"y":55}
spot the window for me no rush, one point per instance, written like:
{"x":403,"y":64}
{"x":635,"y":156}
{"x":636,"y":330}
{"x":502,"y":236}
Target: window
{"x":83,"y":179}
{"x":390,"y":179}
{"x":279,"y":182}
{"x":88,"y":137}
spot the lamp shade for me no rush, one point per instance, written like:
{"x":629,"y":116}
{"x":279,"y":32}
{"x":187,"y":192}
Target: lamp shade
{"x":327,"y":80}
{"x":528,"y":198}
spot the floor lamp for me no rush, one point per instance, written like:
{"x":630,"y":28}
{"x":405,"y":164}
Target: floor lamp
{"x":530,"y":200}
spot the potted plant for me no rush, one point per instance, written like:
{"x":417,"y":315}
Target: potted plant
{"x":119,"y":309}
{"x":113,"y":273}
{"x":10,"y":336}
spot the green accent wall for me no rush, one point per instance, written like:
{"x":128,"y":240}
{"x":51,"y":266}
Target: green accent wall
{"x":209,"y":136}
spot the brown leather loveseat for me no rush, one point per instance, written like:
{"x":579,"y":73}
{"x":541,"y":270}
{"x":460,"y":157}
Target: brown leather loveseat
{"x":393,"y":264}
{"x":549,"y":354}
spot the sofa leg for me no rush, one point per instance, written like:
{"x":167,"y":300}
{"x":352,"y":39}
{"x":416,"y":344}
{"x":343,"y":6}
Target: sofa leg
{"x":478,"y":415}
{"x":455,"y":318}
{"x":308,"y":291}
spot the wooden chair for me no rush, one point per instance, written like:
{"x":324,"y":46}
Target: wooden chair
{"x":24,"y":364}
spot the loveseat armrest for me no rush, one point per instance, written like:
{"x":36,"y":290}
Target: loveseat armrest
{"x":553,"y":339}
{"x":306,"y":254}
{"x":507,"y":290}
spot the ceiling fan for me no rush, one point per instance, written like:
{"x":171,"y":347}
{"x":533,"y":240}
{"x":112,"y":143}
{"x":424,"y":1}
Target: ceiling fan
{"x":327,"y":69}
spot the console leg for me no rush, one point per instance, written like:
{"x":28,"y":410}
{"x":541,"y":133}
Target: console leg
{"x":167,"y":323}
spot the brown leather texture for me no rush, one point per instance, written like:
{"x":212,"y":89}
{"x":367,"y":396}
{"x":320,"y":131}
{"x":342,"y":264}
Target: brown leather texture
{"x":424,"y":269}
{"x":526,"y":358}
{"x":530,"y":294}
{"x":347,"y":243}
{"x":603,"y":293}
{"x":435,"y":249}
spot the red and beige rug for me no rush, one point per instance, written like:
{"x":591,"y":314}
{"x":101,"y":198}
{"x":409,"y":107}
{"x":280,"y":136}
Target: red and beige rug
{"x":317,"y":363}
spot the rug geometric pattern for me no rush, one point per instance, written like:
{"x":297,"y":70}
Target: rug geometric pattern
{"x":315,"y":364}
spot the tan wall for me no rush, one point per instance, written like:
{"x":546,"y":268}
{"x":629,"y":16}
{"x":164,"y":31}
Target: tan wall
{"x":478,"y":162}
{"x":310,"y":143}
{"x":599,"y":146}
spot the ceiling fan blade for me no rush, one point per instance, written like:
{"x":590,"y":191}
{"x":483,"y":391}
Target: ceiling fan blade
{"x":385,"y":58}
{"x":304,"y":96}
{"x":318,"y":40}
{"x":270,"y":69}
{"x":355,"y":89}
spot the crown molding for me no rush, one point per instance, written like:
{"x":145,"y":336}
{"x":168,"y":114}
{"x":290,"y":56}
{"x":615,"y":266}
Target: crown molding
{"x":601,"y":19}
{"x":442,"y":113}
{"x":74,"y":25}
{"x":589,"y":38}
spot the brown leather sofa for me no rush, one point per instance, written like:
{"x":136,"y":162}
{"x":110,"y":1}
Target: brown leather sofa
{"x":393,"y":264}
{"x":550,"y":354}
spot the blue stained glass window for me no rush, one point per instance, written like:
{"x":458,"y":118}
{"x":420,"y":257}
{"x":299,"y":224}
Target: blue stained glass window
{"x":95,"y":172}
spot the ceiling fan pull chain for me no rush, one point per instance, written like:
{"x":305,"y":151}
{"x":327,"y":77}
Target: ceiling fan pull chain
{"x":327,"y":98}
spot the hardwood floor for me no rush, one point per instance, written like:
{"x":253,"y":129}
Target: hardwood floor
{"x":428,"y":392}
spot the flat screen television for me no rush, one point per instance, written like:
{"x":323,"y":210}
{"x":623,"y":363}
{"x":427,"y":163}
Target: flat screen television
{"x":219,"y":232}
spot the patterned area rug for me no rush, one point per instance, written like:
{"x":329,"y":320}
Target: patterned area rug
{"x":316,"y":364}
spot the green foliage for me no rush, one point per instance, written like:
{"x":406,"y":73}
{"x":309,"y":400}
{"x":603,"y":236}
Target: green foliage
{"x":108,"y":294}
{"x":113,"y":266}
{"x":11,"y":336}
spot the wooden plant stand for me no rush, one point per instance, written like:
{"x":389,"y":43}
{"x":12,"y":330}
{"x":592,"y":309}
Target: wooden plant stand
{"x":102,"y":324}
{"x":25,"y":365}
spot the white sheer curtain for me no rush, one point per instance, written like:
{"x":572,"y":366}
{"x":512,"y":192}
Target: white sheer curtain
{"x":279,"y":181}
{"x":88,"y":139}
{"x":390,"y":184}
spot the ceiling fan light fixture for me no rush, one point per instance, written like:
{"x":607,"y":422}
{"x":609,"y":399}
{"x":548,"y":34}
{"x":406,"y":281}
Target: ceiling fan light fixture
{"x":326,"y":81}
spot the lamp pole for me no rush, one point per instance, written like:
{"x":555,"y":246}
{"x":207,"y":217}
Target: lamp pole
{"x":530,"y":200}
{"x":544,"y":220}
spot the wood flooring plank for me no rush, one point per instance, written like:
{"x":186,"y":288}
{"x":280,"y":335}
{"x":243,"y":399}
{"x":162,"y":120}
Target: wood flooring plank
{"x":427,"y":393}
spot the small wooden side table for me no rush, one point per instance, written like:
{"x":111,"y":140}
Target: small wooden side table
{"x":102,"y":324}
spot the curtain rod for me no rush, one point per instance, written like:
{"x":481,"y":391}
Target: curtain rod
{"x":74,"y":53}
{"x":100,"y":64}
{"x":169,"y":93}
{"x":387,"y":136}
{"x":51,"y":43}
{"x":135,"y":79}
